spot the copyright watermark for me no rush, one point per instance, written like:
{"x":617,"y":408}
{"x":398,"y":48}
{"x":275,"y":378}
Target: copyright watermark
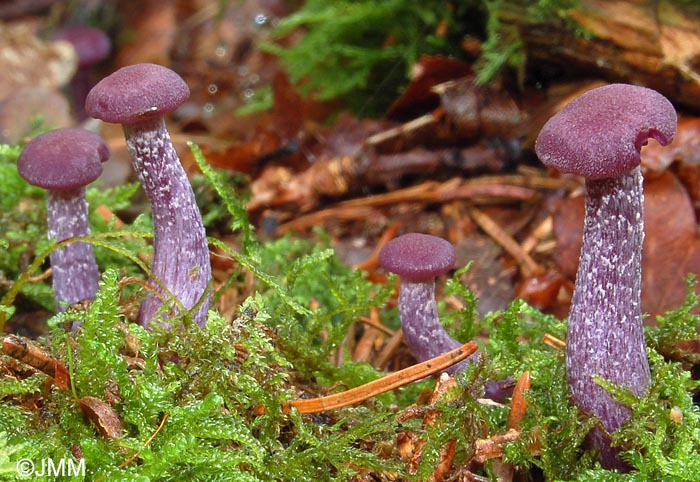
{"x":50,"y":468}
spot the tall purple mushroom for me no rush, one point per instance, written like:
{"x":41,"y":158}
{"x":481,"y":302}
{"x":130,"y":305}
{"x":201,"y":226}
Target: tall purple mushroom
{"x":63,"y":162}
{"x":418,"y":259}
{"x":599,"y":136}
{"x":138,"y":96}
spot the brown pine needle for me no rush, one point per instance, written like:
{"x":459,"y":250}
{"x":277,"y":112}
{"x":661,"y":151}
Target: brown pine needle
{"x":553,"y":341}
{"x":490,"y":227}
{"x":146,"y":443}
{"x":377,"y":387}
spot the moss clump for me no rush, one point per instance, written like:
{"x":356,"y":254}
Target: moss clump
{"x":207,"y":404}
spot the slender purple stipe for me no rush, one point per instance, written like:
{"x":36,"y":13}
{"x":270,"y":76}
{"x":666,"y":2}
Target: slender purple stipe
{"x":599,"y":136}
{"x":138,"y":96}
{"x":63,"y":162}
{"x":418,"y":259}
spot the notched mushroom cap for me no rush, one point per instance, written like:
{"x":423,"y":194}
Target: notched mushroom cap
{"x":599,"y":134}
{"x":67,"y":158}
{"x":135,"y":93}
{"x":417,"y":256}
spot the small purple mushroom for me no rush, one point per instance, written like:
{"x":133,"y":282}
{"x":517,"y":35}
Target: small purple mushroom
{"x":599,"y":136}
{"x":92,"y":46}
{"x":418,"y":259}
{"x":63,"y":162}
{"x":138,"y":96}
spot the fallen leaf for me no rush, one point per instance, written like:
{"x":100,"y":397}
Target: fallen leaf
{"x":418,"y":96}
{"x":102,"y":416}
{"x":671,"y":246}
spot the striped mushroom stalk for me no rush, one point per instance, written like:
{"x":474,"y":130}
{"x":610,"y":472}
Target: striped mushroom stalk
{"x":418,"y":259}
{"x":599,"y":136}
{"x":138,"y":97}
{"x":63,"y":162}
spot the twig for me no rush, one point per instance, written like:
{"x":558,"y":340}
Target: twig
{"x":553,"y":341}
{"x":389,"y":347}
{"x":490,"y":227}
{"x":372,"y":261}
{"x":377,"y":387}
{"x":146,"y":443}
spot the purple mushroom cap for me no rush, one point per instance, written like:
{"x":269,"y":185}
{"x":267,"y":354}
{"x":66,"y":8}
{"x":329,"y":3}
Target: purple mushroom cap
{"x":138,"y":96}
{"x":136,"y":92}
{"x":417,"y":256}
{"x":599,"y":136}
{"x":64,"y":161}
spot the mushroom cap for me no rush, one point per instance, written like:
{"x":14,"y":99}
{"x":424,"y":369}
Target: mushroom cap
{"x":135,"y":93}
{"x":599,"y":134}
{"x":67,"y":158}
{"x":91,"y":44}
{"x":417,"y":256}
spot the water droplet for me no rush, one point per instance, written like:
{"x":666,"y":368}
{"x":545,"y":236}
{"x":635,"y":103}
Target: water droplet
{"x":261,"y":19}
{"x":213,"y":89}
{"x":221,"y":51}
{"x":208,"y":108}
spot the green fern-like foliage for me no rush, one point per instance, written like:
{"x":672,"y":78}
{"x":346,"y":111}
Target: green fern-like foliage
{"x":207,"y":403}
{"x":365,"y":48}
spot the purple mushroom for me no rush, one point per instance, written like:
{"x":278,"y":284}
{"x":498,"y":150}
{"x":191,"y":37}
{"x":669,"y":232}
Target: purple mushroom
{"x":599,"y":136}
{"x":63,"y":162}
{"x":138,"y":96}
{"x":92,"y":46}
{"x":418,"y":259}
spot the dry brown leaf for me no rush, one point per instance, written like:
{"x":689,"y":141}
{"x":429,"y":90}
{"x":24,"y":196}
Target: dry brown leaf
{"x":671,"y":247}
{"x":102,"y":416}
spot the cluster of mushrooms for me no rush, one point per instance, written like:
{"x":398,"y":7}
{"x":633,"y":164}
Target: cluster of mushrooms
{"x":598,"y":136}
{"x":65,"y":160}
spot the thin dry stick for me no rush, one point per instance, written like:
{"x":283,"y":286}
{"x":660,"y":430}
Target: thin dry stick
{"x":379,"y":326}
{"x":389,"y":347}
{"x":146,"y":443}
{"x":377,"y":387}
{"x":372,"y":261}
{"x":41,"y":277}
{"x":365,"y":345}
{"x":490,"y":227}
{"x":553,"y":341}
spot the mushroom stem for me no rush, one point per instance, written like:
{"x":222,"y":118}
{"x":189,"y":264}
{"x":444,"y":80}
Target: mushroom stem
{"x":75,"y":273}
{"x":422,"y":330}
{"x":605,"y":332}
{"x":181,"y":257}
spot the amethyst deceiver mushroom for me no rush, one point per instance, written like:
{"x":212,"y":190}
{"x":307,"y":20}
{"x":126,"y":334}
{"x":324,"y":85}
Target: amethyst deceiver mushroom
{"x":92,"y":46}
{"x":138,"y":96}
{"x":599,"y":136}
{"x":63,"y":162}
{"x":418,"y":259}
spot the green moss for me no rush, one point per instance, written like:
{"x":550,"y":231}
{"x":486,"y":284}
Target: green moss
{"x":206,"y":404}
{"x":359,"y":50}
